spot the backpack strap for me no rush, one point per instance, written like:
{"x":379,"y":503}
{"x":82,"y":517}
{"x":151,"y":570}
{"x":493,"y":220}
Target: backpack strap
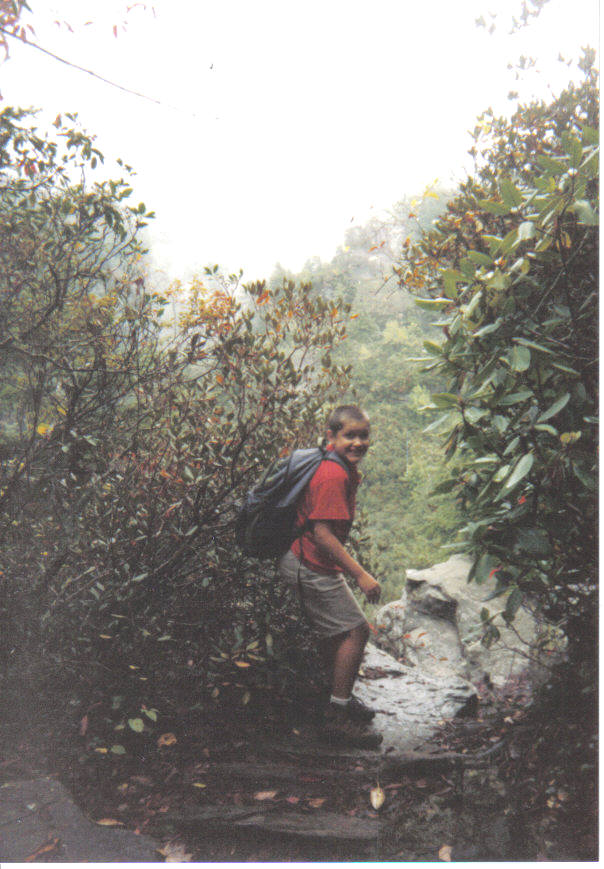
{"x":332,"y":456}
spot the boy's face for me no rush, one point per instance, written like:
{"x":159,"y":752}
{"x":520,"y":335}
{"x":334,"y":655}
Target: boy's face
{"x":351,"y":442}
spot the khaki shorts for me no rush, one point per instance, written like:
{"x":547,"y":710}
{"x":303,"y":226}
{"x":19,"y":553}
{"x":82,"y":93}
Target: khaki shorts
{"x":326,"y":598}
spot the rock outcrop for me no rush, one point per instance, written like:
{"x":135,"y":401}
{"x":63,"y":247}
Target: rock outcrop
{"x":436,"y":627}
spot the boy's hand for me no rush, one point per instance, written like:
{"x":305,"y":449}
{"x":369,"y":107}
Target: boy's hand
{"x":370,"y":587}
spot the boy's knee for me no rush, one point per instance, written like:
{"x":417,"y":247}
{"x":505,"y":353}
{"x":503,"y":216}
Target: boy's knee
{"x":362,"y":631}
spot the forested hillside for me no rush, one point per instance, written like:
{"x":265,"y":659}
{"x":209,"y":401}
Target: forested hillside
{"x":404,"y":523}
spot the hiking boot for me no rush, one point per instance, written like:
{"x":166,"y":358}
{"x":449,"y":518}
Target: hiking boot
{"x":357,"y":711}
{"x":338,"y":728}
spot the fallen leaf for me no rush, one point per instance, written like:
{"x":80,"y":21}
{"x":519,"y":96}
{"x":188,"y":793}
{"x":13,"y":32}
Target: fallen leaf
{"x":265,"y":795}
{"x":377,"y":797}
{"x":242,"y":664}
{"x":292,"y":800}
{"x":166,"y":739}
{"x":445,"y":853}
{"x":421,"y":783}
{"x":317,"y":803}
{"x":84,"y":725}
{"x":199,"y":784}
{"x":110,"y":822}
{"x":51,"y":845}
{"x":174,"y":852}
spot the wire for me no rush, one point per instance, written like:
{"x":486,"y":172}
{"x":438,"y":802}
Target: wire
{"x":87,"y":71}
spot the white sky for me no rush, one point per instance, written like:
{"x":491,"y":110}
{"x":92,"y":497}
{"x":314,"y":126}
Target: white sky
{"x":283,"y":121}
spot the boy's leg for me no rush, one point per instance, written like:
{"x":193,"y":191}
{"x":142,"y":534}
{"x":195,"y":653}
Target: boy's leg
{"x":343,"y":655}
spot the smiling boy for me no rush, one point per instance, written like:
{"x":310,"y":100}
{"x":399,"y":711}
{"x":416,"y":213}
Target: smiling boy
{"x":315,"y":564}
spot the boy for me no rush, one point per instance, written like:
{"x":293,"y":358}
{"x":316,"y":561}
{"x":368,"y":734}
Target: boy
{"x":314,"y":566}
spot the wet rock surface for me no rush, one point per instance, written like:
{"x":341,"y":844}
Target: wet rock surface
{"x":40,"y":821}
{"x":410,"y":705}
{"x":437,"y":626}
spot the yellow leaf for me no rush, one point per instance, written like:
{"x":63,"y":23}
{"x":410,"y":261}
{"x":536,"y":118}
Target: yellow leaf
{"x":377,"y":797}
{"x":445,"y":853}
{"x":199,"y":784}
{"x":166,"y":739}
{"x":317,"y":802}
{"x":101,"y":750}
{"x":110,"y":822}
{"x":265,"y":795}
{"x":43,"y":428}
{"x":242,"y":664}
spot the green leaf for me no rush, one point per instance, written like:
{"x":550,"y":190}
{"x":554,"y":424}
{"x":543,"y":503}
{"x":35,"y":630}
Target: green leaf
{"x":445,"y":487}
{"x":494,"y":243}
{"x":512,"y":605}
{"x":118,"y":749}
{"x":551,"y":166}
{"x":573,"y":148}
{"x":481,"y":259}
{"x":444,"y":423}
{"x":493,"y":207}
{"x":136,"y":724}
{"x":590,"y":136}
{"x":520,"y":358}
{"x":151,"y":713}
{"x":473,"y":414}
{"x":566,"y":368}
{"x":432,"y":304}
{"x":588,"y":480}
{"x":514,"y":397}
{"x":433,"y":348}
{"x":510,"y":194}
{"x":444,"y":399}
{"x":520,"y":471}
{"x":555,"y":408}
{"x":533,"y":541}
{"x":485,"y":566}
{"x":533,"y":345}
{"x":486,"y":330}
{"x":546,"y":428}
{"x":499,"y":281}
{"x":469,"y":309}
{"x":468,"y":268}
{"x":450,"y":279}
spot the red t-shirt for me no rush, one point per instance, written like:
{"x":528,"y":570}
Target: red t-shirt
{"x":330,"y":496}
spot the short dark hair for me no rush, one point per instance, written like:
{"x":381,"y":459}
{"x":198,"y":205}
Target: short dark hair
{"x":345,"y":412}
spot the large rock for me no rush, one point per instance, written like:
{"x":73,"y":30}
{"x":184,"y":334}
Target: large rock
{"x":436,"y":627}
{"x":410,"y":705}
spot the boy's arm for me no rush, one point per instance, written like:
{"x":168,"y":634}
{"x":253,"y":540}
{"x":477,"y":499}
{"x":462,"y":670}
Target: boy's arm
{"x":329,"y":543}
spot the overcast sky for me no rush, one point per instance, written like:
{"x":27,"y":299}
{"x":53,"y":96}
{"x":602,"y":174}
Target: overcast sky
{"x":284,"y":121}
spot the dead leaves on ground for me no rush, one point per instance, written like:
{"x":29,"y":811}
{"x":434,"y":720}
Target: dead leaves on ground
{"x":49,"y":847}
{"x":175,"y":852}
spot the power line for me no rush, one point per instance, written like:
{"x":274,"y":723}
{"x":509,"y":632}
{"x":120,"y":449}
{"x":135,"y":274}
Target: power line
{"x":87,"y":71}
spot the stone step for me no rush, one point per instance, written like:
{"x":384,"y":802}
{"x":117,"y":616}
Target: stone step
{"x":323,"y":826}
